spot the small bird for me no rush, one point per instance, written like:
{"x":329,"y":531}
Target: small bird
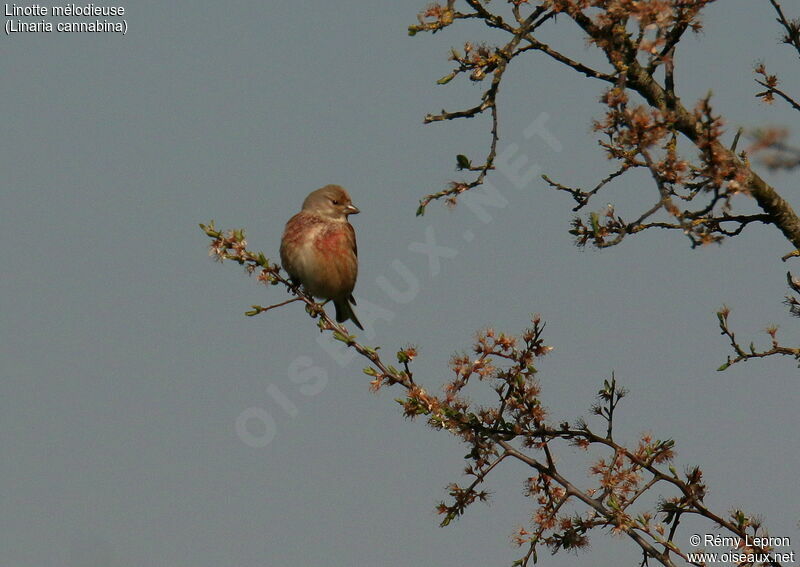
{"x":318,"y":249}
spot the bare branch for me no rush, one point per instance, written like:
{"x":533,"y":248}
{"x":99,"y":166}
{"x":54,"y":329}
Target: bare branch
{"x":792,"y":27}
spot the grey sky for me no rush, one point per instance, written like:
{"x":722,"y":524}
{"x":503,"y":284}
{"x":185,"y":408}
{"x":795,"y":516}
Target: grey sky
{"x":126,"y":359}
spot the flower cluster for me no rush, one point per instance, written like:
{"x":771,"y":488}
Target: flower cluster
{"x":232,"y":245}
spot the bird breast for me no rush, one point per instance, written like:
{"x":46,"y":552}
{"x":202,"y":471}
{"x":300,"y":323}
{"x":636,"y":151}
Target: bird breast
{"x":326,"y":264}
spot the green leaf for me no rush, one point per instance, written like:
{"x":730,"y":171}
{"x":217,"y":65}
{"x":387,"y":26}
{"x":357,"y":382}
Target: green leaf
{"x":369,"y":371}
{"x":341,"y":337}
{"x":723,"y":367}
{"x":210,"y":230}
{"x":463,"y":162}
{"x":446,"y":79}
{"x":595,"y":220}
{"x":421,"y":210}
{"x":412,"y":31}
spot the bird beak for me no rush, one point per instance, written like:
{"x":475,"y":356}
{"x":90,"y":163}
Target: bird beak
{"x":352,"y":210}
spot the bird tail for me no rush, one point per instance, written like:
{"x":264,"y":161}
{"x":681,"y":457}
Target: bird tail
{"x":344,"y":311}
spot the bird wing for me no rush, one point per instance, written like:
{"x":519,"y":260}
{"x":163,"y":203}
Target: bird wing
{"x":351,"y":234}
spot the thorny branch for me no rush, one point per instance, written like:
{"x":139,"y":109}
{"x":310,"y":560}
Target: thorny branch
{"x":637,"y":40}
{"x":699,"y":179}
{"x":744,"y":354}
{"x":770,"y":82}
{"x":776,"y":153}
{"x":517,"y":427}
{"x":792,"y":27}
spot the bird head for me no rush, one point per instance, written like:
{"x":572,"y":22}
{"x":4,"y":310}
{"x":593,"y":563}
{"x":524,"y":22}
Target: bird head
{"x":332,"y":201}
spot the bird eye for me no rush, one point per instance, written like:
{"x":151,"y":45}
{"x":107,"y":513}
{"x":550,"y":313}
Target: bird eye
{"x":334,"y":201}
